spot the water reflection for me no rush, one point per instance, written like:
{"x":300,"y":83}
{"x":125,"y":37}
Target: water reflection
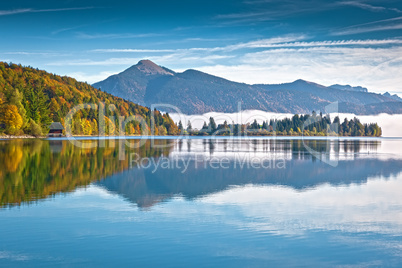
{"x":307,"y":212}
{"x":146,"y":188}
{"x":36,"y":169}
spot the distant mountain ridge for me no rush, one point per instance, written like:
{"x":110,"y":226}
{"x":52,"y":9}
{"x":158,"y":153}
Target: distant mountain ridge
{"x":395,"y":97}
{"x":195,"y":92}
{"x":349,"y":88}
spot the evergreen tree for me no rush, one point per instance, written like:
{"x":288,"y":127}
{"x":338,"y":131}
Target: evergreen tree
{"x":189,"y":127}
{"x":212,"y":125}
{"x":264,"y":125}
{"x":180,"y":126}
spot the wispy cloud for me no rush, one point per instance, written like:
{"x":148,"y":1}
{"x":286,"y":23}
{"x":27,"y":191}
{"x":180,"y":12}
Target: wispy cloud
{"x":31,"y":10}
{"x":14,"y":11}
{"x":268,"y":42}
{"x":203,"y":39}
{"x":89,"y":62}
{"x":368,"y":6}
{"x":68,"y":29}
{"x":129,"y":50}
{"x":262,"y":11}
{"x":336,"y":43}
{"x":369,"y":29}
{"x":183,"y":58}
{"x":14,"y":256}
{"x":116,"y":35}
{"x":25,"y":53}
{"x":278,"y":42}
{"x":286,"y":42}
{"x":374,"y":26}
{"x":270,"y":10}
{"x":374,"y":68}
{"x":390,"y":20}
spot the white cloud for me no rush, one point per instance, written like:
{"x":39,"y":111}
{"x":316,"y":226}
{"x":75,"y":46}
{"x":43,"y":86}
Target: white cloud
{"x":369,"y":42}
{"x":283,"y":9}
{"x":357,"y":30}
{"x":373,"y":26}
{"x":276,"y":42}
{"x":183,"y":58}
{"x":129,"y":50}
{"x":265,"y":42}
{"x":25,"y":53}
{"x":375,"y":68}
{"x":89,"y":62}
{"x":285,"y":211}
{"x":368,"y":6}
{"x":13,"y":256}
{"x":115,"y":35}
{"x":14,"y":11}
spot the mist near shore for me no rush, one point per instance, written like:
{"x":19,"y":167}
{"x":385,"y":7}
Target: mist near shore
{"x":391,"y":124}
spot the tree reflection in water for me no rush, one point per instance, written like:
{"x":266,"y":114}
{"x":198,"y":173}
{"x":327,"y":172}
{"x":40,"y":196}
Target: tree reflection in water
{"x":36,"y":169}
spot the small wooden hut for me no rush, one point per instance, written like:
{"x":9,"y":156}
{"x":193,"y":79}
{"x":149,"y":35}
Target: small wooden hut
{"x":56,"y":130}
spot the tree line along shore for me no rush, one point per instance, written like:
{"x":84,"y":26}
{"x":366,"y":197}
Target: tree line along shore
{"x":298,"y":125}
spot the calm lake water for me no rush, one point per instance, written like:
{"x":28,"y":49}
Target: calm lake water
{"x":201,"y":203}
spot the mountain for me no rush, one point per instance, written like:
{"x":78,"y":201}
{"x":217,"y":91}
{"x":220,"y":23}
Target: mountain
{"x":132,"y":84}
{"x":30,"y":99}
{"x":195,"y":92}
{"x":192,"y":91}
{"x":350,"y":88}
{"x":395,"y":97}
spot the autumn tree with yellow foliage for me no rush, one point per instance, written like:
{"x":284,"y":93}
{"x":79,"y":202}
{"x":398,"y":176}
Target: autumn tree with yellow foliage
{"x":10,"y":117}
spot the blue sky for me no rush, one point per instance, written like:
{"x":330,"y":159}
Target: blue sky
{"x":356,"y":42}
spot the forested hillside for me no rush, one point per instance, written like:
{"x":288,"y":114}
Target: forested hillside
{"x":30,"y":99}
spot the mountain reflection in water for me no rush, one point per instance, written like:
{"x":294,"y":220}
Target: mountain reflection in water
{"x":36,"y":169}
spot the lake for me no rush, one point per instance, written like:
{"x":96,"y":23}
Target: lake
{"x":201,"y":202}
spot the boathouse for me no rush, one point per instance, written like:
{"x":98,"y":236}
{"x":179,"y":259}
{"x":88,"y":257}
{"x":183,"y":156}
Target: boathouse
{"x":56,"y":130}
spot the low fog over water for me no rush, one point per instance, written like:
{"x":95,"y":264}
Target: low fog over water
{"x":391,"y":124}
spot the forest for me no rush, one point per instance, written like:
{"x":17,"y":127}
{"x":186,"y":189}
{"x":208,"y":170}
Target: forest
{"x":306,"y":125}
{"x":30,"y":99}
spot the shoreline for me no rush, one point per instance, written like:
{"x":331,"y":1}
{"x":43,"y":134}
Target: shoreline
{"x":83,"y":137}
{"x":9,"y":137}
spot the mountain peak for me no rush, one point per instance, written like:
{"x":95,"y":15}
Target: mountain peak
{"x":386,"y":94}
{"x":150,"y":68}
{"x":147,"y":63}
{"x":308,"y":84}
{"x":394,"y":97}
{"x":301,"y":81}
